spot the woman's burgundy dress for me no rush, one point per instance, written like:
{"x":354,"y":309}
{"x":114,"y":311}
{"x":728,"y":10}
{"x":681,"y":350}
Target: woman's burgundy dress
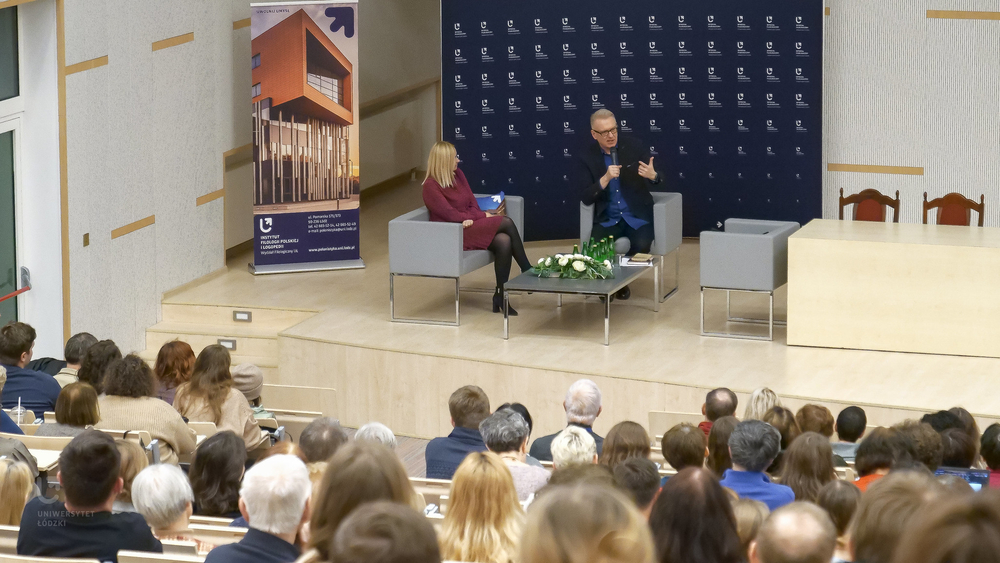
{"x":456,"y":204}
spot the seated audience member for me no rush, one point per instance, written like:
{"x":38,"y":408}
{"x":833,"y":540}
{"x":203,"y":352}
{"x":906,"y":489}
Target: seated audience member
{"x":359,"y":473}
{"x":468,"y":407}
{"x":584,"y":524}
{"x":249,"y":380}
{"x":17,"y":485}
{"x":990,"y":450}
{"x":882,"y":450}
{"x":582,"y":406}
{"x":692,"y":521}
{"x":506,"y":434}
{"x":761,"y":401}
{"x":926,"y":442}
{"x":625,"y":439}
{"x":961,"y":530}
{"x":321,"y":439}
{"x":484,"y":519}
{"x":74,"y":351}
{"x":968,"y":423}
{"x":590,"y":474}
{"x":162,"y":495}
{"x":684,"y":446}
{"x":799,"y":532}
{"x":274,"y":500}
{"x":133,"y":461}
{"x":850,"y":427}
{"x":129,"y":403}
{"x":718,"y":403}
{"x":783,"y":420}
{"x":840,"y":501}
{"x":76,"y":410}
{"x":815,"y":418}
{"x":957,"y":449}
{"x":718,"y":459}
{"x":808,"y":465}
{"x":573,"y":446}
{"x":84,"y":526}
{"x":639,"y":478}
{"x":523,"y":411}
{"x":15,"y":450}
{"x":174,"y":364}
{"x":34,"y":390}
{"x":750,"y":515}
{"x":753,"y":446}
{"x":216,"y":472}
{"x":887,"y":510}
{"x":385,"y":532}
{"x":943,"y":420}
{"x":7,"y":424}
{"x":96,"y":361}
{"x":378,"y":433}
{"x":211,"y":397}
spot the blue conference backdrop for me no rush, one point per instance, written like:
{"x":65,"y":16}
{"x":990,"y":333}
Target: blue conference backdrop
{"x":726,"y":95}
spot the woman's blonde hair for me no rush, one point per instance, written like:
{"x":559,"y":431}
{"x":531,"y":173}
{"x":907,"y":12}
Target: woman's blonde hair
{"x":441,"y":164}
{"x":761,"y":401}
{"x":583,"y":523}
{"x":16,"y":483}
{"x":484,"y":519}
{"x":133,"y":461}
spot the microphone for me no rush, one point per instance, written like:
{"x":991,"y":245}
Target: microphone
{"x":614,"y":156}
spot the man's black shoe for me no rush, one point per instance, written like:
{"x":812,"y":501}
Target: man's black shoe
{"x":624,"y":293}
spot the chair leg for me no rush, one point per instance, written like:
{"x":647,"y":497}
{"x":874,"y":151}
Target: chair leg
{"x":392,"y":304}
{"x":770,"y":317}
{"x":392,"y":309}
{"x":703,"y":311}
{"x":458,"y":319}
{"x":677,"y":274}
{"x":769,"y":321}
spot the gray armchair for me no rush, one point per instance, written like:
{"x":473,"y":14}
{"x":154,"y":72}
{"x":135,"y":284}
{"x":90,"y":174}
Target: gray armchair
{"x":424,"y":248}
{"x":750,"y":256}
{"x":667,"y":232}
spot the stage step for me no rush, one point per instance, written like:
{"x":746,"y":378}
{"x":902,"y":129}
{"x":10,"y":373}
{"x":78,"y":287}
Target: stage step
{"x":278,"y":319}
{"x":247,"y":340}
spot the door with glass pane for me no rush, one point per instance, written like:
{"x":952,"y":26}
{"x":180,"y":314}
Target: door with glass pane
{"x":8,"y":239}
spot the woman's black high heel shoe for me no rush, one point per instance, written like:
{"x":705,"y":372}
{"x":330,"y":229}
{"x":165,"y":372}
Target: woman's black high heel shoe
{"x":498,"y":305}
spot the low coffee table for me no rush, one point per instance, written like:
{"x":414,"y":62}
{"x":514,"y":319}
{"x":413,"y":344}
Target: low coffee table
{"x":624,"y":275}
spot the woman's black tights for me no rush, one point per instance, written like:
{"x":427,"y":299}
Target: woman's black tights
{"x":506,"y":245}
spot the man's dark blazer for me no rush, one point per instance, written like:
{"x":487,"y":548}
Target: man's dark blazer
{"x":541,"y":448}
{"x":590,"y":167}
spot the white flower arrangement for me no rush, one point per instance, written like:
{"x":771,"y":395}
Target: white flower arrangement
{"x":573,"y":266}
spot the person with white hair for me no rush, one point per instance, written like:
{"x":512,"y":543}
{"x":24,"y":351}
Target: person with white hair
{"x":582,"y":406}
{"x":274,"y":500}
{"x":571,"y":447}
{"x":378,"y":433}
{"x":162,"y":495}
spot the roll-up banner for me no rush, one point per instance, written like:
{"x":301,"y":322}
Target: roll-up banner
{"x":306,"y":189}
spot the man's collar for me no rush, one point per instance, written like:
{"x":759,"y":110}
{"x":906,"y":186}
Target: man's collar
{"x":584,"y":426}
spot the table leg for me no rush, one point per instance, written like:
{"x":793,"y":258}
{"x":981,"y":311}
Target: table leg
{"x":656,"y":288}
{"x":607,"y":320}
{"x":559,"y":300}
{"x":506,"y":314}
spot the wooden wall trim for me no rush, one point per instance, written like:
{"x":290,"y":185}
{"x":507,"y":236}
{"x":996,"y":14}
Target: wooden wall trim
{"x":876,"y":169}
{"x":826,"y":11}
{"x":202,"y":200}
{"x":962,"y":15}
{"x":12,"y":3}
{"x":87,"y":65}
{"x":173,"y":41}
{"x":133,"y":226}
{"x":240,"y":24}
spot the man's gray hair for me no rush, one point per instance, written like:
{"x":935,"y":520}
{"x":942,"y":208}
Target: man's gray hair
{"x":378,"y":433}
{"x":754,"y":444}
{"x":602,"y":113}
{"x":583,"y":402}
{"x":573,"y":446}
{"x":161,"y":493}
{"x":322,"y":438}
{"x":275,"y":492}
{"x":504,"y":431}
{"x":800,"y":532}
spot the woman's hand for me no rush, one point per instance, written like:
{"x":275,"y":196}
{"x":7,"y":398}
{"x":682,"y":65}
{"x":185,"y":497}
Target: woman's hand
{"x":467,"y":223}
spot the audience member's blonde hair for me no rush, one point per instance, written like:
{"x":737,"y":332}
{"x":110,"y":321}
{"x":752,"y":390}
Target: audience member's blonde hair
{"x":585,"y":523}
{"x":750,"y":514}
{"x":573,"y":446}
{"x":16,"y":484}
{"x":484,"y":519}
{"x":761,"y":401}
{"x":133,"y":461}
{"x":441,"y":164}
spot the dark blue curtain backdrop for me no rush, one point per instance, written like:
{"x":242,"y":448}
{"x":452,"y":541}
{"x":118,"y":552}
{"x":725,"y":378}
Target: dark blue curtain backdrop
{"x":726,"y":94}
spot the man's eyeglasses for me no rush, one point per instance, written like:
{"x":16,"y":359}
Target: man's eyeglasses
{"x":609,"y":133}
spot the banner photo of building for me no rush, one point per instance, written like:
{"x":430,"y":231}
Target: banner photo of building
{"x":306,"y":188}
{"x":726,"y":95}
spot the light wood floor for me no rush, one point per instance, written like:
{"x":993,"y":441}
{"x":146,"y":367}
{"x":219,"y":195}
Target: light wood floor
{"x":662,"y":347}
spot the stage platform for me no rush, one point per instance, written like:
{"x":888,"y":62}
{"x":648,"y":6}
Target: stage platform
{"x":402,"y":374}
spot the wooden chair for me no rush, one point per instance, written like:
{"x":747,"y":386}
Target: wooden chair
{"x":53,"y":443}
{"x":5,"y":558}
{"x":218,"y":535}
{"x":210,"y":521}
{"x":431,"y":489}
{"x":179,"y":547}
{"x":141,"y":437}
{"x":870,"y":205}
{"x":8,"y":540}
{"x":205,"y":429}
{"x":125,"y":556}
{"x":49,"y":417}
{"x":29,"y":416}
{"x":955,"y":209}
